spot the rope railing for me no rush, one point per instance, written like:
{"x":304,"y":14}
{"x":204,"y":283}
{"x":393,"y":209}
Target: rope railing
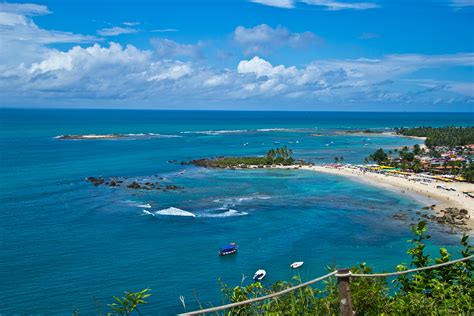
{"x":261,"y":298}
{"x":342,"y":274}
{"x":384,"y":275}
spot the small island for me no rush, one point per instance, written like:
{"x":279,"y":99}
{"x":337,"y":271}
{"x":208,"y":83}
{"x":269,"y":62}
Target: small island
{"x":274,"y":157}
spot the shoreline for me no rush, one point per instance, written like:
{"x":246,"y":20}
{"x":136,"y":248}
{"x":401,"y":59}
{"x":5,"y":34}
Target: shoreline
{"x":407,"y":186}
{"x":423,"y":192}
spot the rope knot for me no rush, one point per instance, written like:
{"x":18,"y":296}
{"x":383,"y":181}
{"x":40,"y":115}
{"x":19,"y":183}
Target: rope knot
{"x":343,"y":275}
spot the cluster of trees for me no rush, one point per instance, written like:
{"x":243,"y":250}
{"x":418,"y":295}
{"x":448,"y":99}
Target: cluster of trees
{"x":279,"y":156}
{"x":445,"y":291}
{"x":468,"y":173}
{"x":407,"y":161}
{"x":379,"y":156}
{"x":441,"y":136}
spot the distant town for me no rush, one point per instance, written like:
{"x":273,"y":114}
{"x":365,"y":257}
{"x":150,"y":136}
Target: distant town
{"x":447,"y":154}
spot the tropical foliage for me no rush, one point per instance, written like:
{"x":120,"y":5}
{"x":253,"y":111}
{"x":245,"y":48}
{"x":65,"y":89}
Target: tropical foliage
{"x":129,"y":303}
{"x":441,"y":136}
{"x":444,"y":291}
{"x":278,"y":156}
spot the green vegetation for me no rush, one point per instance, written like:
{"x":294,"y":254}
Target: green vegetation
{"x":441,"y":136}
{"x":379,"y":156}
{"x":445,"y":291}
{"x":468,"y":173}
{"x":129,"y":303}
{"x":278,"y":156}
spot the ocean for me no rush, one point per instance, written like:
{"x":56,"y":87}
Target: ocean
{"x":67,"y":245}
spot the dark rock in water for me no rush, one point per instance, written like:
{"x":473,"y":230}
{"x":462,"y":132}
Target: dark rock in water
{"x":134,"y":185}
{"x":148,"y":185}
{"x":95,"y":181}
{"x":172,"y":187}
{"x":400,"y":216}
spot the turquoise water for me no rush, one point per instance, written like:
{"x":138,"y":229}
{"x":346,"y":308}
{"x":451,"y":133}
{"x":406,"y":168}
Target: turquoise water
{"x":66,"y":243}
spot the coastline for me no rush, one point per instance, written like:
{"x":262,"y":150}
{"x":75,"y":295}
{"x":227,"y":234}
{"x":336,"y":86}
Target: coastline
{"x":421,"y":192}
{"x":425,"y":193}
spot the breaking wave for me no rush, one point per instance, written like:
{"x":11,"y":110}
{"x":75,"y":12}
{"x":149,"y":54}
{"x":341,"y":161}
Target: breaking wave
{"x":229,"y":213}
{"x":114,"y":136}
{"x":239,"y":200}
{"x":240,"y":131}
{"x":235,"y":131}
{"x":174,"y":211}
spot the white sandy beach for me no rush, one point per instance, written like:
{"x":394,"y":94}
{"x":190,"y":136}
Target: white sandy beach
{"x":426,"y":193}
{"x":407,"y":185}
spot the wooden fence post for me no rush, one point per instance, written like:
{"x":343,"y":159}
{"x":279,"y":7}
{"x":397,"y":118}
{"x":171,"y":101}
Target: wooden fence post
{"x":345,"y":300}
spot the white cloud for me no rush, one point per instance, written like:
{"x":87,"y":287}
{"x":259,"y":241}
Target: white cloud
{"x":28,"y":9}
{"x":81,"y":59}
{"x":164,"y":30}
{"x":166,"y":48}
{"x":32,"y":71}
{"x":263,"y":39}
{"x":260,"y":67}
{"x":174,"y":71}
{"x":287,"y":4}
{"x":19,"y":27}
{"x":116,"y":30}
{"x":339,"y":5}
{"x":131,"y":23}
{"x":22,"y":41}
{"x":218,"y":80}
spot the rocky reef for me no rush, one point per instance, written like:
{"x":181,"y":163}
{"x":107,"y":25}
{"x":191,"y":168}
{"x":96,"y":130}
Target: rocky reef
{"x":450,"y":216}
{"x":133,"y":184}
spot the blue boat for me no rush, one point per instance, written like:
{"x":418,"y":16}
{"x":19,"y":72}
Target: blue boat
{"x":230,"y":249}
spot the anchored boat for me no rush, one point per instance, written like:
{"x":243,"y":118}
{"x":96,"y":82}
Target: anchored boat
{"x":297,"y":264}
{"x":230,"y":249}
{"x":259,"y":275}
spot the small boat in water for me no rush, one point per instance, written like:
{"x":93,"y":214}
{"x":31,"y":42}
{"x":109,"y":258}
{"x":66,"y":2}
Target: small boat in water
{"x":230,"y":249}
{"x":297,"y":264}
{"x":259,"y":275}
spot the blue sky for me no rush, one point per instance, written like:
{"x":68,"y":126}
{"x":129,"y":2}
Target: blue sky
{"x":239,"y":54}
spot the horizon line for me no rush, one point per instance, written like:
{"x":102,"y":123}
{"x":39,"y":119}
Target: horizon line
{"x":223,"y":110}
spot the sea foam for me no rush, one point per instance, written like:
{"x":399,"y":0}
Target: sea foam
{"x":174,"y":211}
{"x":229,"y":213}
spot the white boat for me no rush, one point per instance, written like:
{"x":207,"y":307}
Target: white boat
{"x":259,"y":275}
{"x":296,"y":265}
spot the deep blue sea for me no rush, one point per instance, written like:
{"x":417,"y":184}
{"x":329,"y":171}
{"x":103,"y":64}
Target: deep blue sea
{"x":66,"y":245}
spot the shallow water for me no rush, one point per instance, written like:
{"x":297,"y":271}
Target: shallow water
{"x":66,"y":242}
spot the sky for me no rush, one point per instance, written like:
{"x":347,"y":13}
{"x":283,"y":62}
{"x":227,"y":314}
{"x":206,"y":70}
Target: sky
{"x":314,"y":55}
